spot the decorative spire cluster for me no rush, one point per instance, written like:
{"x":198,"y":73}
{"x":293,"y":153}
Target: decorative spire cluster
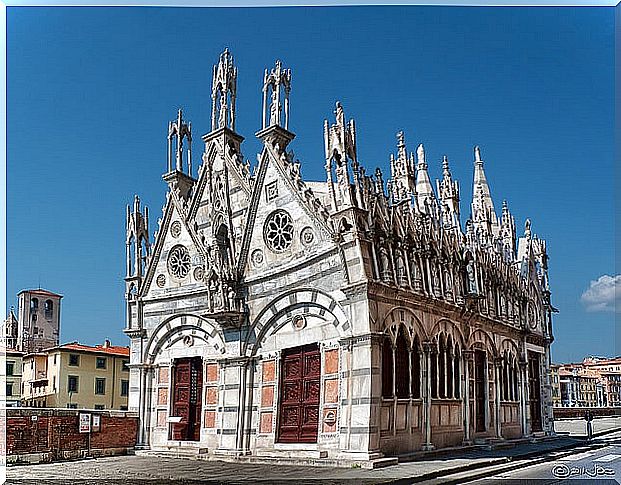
{"x":276,"y":87}
{"x":223,"y":93}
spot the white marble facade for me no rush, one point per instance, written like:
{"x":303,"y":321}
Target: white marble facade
{"x":349,"y":318}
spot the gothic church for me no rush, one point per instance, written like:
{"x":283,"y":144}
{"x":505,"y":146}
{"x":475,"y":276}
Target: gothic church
{"x":342,"y":320}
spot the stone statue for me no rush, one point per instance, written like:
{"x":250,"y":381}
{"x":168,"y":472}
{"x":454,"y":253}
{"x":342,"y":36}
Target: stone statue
{"x":274,"y":108}
{"x":384,"y":263}
{"x":472,"y":282}
{"x":222,"y":118}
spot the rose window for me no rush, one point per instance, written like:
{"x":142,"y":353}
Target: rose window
{"x":179,"y":262}
{"x":279,"y":231}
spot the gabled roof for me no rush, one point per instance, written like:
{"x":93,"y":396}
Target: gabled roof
{"x":41,"y":291}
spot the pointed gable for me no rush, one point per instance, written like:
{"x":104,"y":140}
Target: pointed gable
{"x":178,"y":259}
{"x":286,"y":226}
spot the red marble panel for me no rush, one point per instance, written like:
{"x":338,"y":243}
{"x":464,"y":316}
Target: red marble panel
{"x":269,"y":371}
{"x":212,"y":372}
{"x":266,"y":423}
{"x":211,"y":395}
{"x":267,"y":396}
{"x":331,"y":361}
{"x":331,"y":391}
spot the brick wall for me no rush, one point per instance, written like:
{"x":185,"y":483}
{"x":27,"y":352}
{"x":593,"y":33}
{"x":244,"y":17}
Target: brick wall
{"x":39,"y":435}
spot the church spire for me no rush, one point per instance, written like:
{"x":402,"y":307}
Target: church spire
{"x":340,"y":146}
{"x":425,"y":197}
{"x":275,"y":117}
{"x":507,"y":232}
{"x":483,"y":213}
{"x":402,"y":183}
{"x":448,"y":193}
{"x":177,"y":179}
{"x":223,"y":93}
{"x":276,"y":86}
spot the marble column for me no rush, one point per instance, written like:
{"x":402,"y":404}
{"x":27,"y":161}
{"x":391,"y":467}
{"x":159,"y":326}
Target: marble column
{"x":497,"y":405}
{"x":468,"y":358}
{"x":428,"y":348}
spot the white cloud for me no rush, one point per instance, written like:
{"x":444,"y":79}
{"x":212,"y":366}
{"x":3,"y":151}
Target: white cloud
{"x":604,"y":294}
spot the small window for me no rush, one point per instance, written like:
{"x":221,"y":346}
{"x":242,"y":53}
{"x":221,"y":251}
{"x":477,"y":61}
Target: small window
{"x":10,"y":368}
{"x":123,"y":408}
{"x":99,"y":407}
{"x":100,"y":385}
{"x":34,"y":305}
{"x":72,"y":384}
{"x":53,"y":383}
{"x":101,"y":363}
{"x":74,"y":359}
{"x":72,"y":405}
{"x":124,"y":387}
{"x":9,"y":389}
{"x":49,"y":309}
{"x":125,"y":367}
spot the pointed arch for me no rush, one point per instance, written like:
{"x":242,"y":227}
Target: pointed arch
{"x":167,"y":333}
{"x":448,"y":327}
{"x":404,"y":316}
{"x":279,"y":312}
{"x":482,"y":340}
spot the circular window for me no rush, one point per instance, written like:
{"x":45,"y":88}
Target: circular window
{"x":278,"y":231}
{"x":179,"y":262}
{"x":175,"y":229}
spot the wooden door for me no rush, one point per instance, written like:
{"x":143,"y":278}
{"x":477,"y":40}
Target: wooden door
{"x":480,"y":382}
{"x":186,"y":404}
{"x":300,"y":377}
{"x":534,"y":392}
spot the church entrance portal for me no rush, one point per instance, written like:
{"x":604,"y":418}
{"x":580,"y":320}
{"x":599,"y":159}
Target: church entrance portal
{"x":300,"y":377}
{"x":534,"y":392}
{"x":186,"y":405}
{"x":479,"y":392}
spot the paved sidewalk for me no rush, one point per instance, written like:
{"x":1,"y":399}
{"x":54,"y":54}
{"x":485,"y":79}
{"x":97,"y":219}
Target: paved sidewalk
{"x":155,"y":470}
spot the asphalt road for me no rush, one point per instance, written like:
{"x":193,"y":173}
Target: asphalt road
{"x":601,"y":464}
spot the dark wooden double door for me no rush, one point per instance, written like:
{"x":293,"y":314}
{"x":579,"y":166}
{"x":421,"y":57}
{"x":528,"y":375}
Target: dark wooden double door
{"x":480,"y":384}
{"x":300,"y":383}
{"x":186,"y":399}
{"x":534,"y":392}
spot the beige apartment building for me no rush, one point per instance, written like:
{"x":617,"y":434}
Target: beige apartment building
{"x":13,"y":377}
{"x":77,"y":376}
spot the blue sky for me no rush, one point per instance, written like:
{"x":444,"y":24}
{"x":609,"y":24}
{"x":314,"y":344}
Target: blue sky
{"x":90,"y":92}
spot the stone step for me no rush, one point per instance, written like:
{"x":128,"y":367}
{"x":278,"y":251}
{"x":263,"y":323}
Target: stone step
{"x":293,"y":453}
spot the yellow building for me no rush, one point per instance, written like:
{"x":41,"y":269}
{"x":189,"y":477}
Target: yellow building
{"x":77,"y":376}
{"x":13,"y":377}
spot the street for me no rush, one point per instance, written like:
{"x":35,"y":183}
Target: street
{"x":550,"y":461}
{"x":600,"y":464}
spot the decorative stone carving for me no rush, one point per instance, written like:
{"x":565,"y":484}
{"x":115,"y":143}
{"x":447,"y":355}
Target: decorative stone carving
{"x":199,"y":273}
{"x":278,"y":231}
{"x":257,"y":258}
{"x":307,"y":236}
{"x":175,"y":229}
{"x":179,"y":262}
{"x":161,"y":280}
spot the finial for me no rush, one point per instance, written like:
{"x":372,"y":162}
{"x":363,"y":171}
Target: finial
{"x":477,"y":154}
{"x":527,"y":228}
{"x":420,"y":154}
{"x":400,"y":139}
{"x":445,"y":165}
